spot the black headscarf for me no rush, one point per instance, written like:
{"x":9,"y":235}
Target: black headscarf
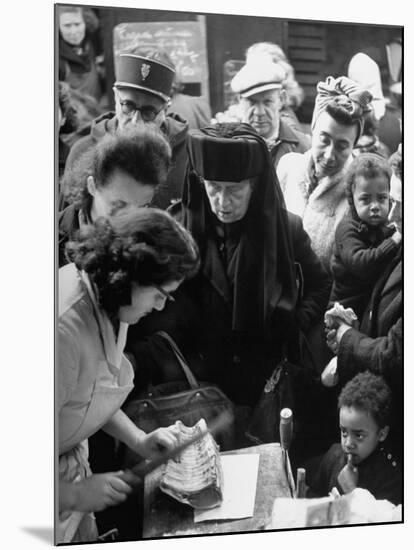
{"x":264,"y":281}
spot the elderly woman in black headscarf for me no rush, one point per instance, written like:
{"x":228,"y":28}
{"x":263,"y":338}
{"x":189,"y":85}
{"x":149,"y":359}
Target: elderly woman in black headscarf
{"x":259,"y":282}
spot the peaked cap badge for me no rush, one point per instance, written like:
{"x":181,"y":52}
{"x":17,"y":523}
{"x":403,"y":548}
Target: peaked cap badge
{"x":145,"y":70}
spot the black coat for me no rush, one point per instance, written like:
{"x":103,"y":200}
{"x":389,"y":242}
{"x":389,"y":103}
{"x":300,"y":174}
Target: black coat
{"x":77,"y":67}
{"x":379,"y":473}
{"x":195,"y":110}
{"x":290,"y":140}
{"x":378,"y":346}
{"x":200,"y":320}
{"x":360,"y":254}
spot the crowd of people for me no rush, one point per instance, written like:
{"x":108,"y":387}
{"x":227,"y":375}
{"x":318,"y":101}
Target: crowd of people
{"x":242,"y":239}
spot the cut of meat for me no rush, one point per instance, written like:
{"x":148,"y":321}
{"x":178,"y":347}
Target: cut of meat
{"x":195,"y":477}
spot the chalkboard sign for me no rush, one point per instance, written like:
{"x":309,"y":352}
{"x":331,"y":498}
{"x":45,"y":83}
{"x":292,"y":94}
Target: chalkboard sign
{"x":184,"y":41}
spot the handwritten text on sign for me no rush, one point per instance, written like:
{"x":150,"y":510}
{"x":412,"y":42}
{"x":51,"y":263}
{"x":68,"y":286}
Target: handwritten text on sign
{"x":182,"y":40}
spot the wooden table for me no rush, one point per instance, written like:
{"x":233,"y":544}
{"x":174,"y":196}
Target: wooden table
{"x":165,"y":517}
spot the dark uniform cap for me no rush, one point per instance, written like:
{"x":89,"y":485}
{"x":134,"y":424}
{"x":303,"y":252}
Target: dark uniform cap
{"x":142,"y":73}
{"x":225,"y":159}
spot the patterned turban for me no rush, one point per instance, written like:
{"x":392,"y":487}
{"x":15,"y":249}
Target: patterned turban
{"x":347,"y":95}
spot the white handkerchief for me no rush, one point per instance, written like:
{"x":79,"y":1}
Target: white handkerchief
{"x":239,"y":493}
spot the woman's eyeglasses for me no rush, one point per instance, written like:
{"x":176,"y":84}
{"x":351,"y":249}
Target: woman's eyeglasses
{"x":117,"y":206}
{"x":147,"y":112}
{"x":169,"y":297}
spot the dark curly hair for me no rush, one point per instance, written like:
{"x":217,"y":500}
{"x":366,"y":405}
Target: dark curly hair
{"x":371,"y":124}
{"x":338,"y":109}
{"x":140,"y":151}
{"x":367,"y":165}
{"x":137,"y":245}
{"x":67,"y":108}
{"x":370,"y":393}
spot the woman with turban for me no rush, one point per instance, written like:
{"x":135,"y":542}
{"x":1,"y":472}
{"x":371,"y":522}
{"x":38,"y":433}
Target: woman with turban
{"x":259,"y":282}
{"x":313,"y":182}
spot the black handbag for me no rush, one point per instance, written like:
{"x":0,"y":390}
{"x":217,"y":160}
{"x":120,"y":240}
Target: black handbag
{"x":291,"y":385}
{"x":186,"y":400}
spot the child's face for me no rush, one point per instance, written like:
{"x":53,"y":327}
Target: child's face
{"x":372,"y":199}
{"x":360,"y":434}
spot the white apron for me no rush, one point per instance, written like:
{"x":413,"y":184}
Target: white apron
{"x":111,"y":388}
{"x":75,"y":526}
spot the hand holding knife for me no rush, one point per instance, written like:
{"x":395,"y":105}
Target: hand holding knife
{"x":137,"y":473}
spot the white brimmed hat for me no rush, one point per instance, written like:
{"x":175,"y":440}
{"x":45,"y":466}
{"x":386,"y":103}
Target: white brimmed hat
{"x":258,"y":76}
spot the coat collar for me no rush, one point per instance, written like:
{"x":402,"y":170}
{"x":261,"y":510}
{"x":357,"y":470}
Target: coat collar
{"x":326,"y":183}
{"x":286,"y":134}
{"x":106,"y":329}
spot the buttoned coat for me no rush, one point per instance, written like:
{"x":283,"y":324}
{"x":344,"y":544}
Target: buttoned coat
{"x":379,"y":473}
{"x":361,"y":252}
{"x":200,"y":321}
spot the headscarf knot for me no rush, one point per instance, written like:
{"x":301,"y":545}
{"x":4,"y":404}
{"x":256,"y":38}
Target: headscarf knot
{"x":345,"y":93}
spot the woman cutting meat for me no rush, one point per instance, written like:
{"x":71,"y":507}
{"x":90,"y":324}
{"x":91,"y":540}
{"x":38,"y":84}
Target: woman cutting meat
{"x":122,"y":270}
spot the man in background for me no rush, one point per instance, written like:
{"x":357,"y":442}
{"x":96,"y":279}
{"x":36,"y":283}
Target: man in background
{"x":261,"y":98}
{"x":142,"y":94}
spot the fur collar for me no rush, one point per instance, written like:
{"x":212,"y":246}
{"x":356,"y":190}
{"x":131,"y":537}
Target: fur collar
{"x":326,"y":184}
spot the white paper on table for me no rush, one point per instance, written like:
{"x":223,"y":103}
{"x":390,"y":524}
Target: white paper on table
{"x":239,"y":491}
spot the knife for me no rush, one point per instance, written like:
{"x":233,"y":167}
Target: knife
{"x":286,"y":433}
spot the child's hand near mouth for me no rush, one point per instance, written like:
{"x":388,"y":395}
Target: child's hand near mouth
{"x":348,"y":476}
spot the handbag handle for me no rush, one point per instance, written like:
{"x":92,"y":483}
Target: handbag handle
{"x":180,"y":358}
